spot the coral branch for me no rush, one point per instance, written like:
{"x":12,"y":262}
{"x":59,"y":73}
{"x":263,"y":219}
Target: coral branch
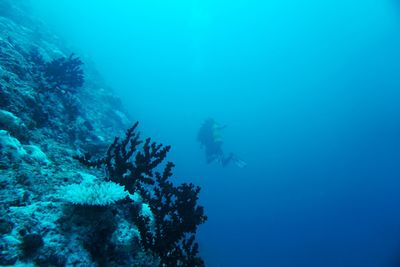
{"x":65,"y":72}
{"x":171,"y":235}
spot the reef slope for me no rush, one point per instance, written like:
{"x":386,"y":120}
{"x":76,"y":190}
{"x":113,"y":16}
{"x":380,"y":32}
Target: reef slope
{"x":42,"y":126}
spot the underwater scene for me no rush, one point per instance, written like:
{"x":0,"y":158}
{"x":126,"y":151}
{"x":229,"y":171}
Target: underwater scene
{"x":200,"y":133}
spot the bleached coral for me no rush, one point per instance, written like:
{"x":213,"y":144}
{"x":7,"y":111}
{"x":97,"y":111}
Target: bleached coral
{"x":100,"y":194}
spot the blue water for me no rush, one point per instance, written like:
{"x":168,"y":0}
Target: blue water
{"x":310,"y":92}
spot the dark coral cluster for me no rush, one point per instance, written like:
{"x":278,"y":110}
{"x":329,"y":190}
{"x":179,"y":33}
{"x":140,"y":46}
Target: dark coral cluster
{"x":176,"y":217}
{"x":171,"y":236}
{"x":63,"y":73}
{"x":118,"y":160}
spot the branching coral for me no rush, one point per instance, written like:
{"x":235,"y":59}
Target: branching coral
{"x":171,"y":236}
{"x":177,"y":216}
{"x":65,"y":73}
{"x":125,"y":164}
{"x":61,"y":76}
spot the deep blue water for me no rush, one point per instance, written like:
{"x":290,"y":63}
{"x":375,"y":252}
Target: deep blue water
{"x":310,"y":92}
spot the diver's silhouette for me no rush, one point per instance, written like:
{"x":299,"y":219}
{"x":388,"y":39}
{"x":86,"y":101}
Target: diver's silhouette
{"x":210,"y":138}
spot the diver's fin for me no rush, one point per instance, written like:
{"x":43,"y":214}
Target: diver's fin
{"x":238,"y":162}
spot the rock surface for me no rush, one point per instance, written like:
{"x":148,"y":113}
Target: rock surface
{"x":40,"y":131}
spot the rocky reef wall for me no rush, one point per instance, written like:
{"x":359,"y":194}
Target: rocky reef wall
{"x":54,"y":210}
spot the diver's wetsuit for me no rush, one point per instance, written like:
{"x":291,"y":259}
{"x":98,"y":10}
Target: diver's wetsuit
{"x":210,"y":138}
{"x":214,"y":152}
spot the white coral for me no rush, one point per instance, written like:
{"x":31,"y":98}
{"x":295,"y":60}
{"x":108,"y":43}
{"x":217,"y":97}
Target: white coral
{"x":100,"y":194}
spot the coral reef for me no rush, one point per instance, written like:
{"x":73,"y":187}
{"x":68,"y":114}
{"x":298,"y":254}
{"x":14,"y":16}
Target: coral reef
{"x":176,"y":217}
{"x":118,"y":160}
{"x":13,"y":124}
{"x":40,"y":130}
{"x":31,"y":243}
{"x":64,"y":73}
{"x":96,"y":194}
{"x":55,"y":211}
{"x":171,"y":234}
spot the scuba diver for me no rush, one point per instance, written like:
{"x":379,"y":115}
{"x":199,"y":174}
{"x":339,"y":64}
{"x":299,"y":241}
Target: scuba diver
{"x":210,"y":138}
